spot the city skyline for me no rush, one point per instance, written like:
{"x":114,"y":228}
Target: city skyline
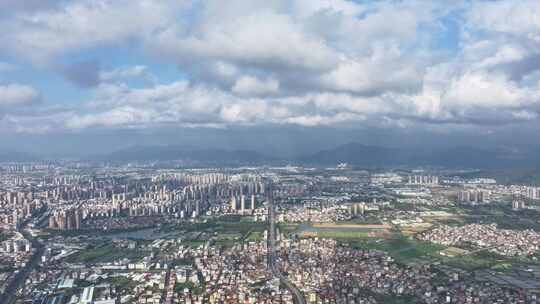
{"x":269,"y":151}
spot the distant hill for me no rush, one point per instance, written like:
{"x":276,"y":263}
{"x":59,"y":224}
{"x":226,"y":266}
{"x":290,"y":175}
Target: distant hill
{"x":356,"y":154}
{"x":205,"y":156}
{"x":373,"y":156}
{"x":484,"y":158}
{"x":11,"y":156}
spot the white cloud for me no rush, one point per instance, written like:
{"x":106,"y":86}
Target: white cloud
{"x":248,"y":85}
{"x":306,"y":8}
{"x":373,"y":75}
{"x":483,"y":90}
{"x":41,"y":35}
{"x":13,"y":95}
{"x":515,"y":17}
{"x":261,"y":39}
{"x":313,"y":62}
{"x":183,"y":104}
{"x":503,"y":55}
{"x":137,"y":71}
{"x":116,"y":117}
{"x":318,"y":120}
{"x":300,"y":43}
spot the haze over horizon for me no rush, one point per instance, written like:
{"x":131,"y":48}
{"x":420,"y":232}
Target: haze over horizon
{"x":80,"y":78}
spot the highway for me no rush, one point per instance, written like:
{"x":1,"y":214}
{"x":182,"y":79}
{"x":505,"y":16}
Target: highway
{"x":297,"y":294}
{"x":9,"y":295}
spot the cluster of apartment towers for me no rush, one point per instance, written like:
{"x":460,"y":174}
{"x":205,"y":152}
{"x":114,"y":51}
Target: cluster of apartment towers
{"x":242,"y":208}
{"x":66,"y":219}
{"x":531,"y":193}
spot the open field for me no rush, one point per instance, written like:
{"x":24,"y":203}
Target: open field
{"x":371,"y":220}
{"x":437,"y":214}
{"x":408,"y":250}
{"x":254,"y":236}
{"x":228,"y":236}
{"x":402,"y":249}
{"x":453,"y":252}
{"x":345,"y":231}
{"x":221,"y":227}
{"x":288,"y":228}
{"x":336,"y":234}
{"x":352,"y":226}
{"x":409,"y":230}
{"x":105,"y":253}
{"x":472,"y":262}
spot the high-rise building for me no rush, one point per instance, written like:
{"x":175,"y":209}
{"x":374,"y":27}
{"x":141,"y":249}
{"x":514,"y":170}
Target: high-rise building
{"x":423,"y":180}
{"x":473,"y":196}
{"x":70,"y":222}
{"x":533,"y":193}
{"x":77,"y":219}
{"x":518,"y":204}
{"x":233,"y":203}
{"x":65,"y":219}
{"x":464,"y":196}
{"x":357,"y":208}
{"x":52,"y":222}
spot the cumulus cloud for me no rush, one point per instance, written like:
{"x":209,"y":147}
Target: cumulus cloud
{"x":263,"y":39}
{"x":89,"y":74}
{"x":186,"y":104}
{"x":27,"y":5}
{"x":248,"y":85}
{"x":43,"y":34}
{"x":15,"y":95}
{"x":115,"y":117}
{"x":519,"y":18}
{"x":303,"y":46}
{"x":123,"y":73}
{"x":306,"y":62}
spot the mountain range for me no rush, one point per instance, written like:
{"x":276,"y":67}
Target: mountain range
{"x":13,"y":156}
{"x":373,"y":156}
{"x":203,"y":156}
{"x":355,"y":154}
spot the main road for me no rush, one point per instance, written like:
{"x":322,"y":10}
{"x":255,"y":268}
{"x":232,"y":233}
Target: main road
{"x":10,"y":294}
{"x":271,"y":252}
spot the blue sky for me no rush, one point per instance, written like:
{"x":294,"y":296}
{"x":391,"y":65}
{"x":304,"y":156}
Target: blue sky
{"x":80,"y":67}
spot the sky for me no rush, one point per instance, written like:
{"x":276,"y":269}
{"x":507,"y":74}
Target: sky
{"x":89,"y":76}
